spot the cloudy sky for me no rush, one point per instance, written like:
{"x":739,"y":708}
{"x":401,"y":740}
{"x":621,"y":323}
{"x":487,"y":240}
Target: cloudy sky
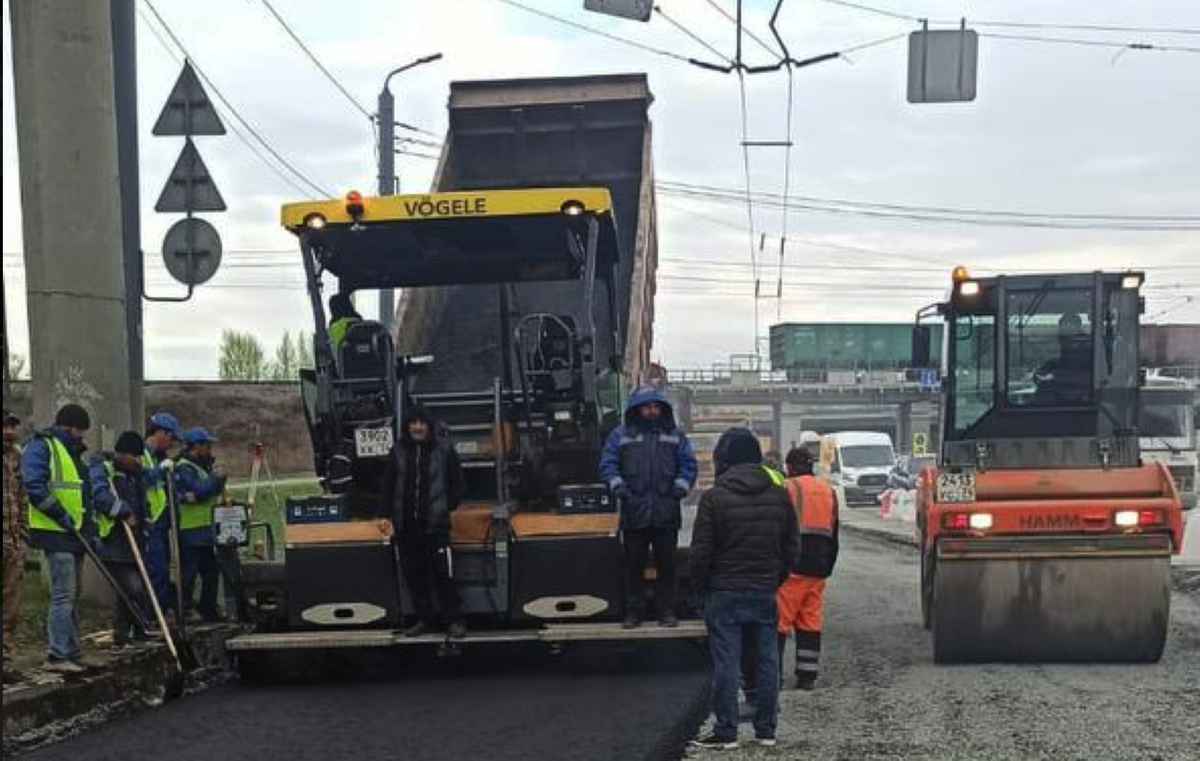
{"x":1057,"y":128}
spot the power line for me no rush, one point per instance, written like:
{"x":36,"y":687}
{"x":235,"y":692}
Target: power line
{"x":232,"y":110}
{"x":233,"y":127}
{"x":593,"y":30}
{"x":755,"y":38}
{"x":1081,"y":27}
{"x":989,"y":219}
{"x":692,"y":35}
{"x":316,"y":61}
{"x":668,"y":185}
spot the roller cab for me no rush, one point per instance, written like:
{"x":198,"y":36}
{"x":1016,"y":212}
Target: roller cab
{"x":1044,"y":535}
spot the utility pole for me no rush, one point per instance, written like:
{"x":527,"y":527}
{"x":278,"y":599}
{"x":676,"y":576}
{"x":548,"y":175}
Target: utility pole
{"x":124,"y":34}
{"x":64,"y":86}
{"x":386,"y":123}
{"x":385,"y":118}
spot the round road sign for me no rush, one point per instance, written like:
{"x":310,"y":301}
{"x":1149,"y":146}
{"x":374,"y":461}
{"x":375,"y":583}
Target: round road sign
{"x":192,"y":251}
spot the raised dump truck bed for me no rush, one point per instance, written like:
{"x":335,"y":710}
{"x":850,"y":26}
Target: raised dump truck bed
{"x":527,"y":133}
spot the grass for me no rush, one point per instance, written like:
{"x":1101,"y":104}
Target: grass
{"x":269,"y":504}
{"x":35,"y":600}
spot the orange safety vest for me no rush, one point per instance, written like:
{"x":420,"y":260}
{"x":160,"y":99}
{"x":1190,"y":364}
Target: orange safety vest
{"x":815,"y":503}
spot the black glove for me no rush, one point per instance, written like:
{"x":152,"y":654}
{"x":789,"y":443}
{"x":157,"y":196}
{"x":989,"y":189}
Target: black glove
{"x":679,"y":490}
{"x":124,"y":511}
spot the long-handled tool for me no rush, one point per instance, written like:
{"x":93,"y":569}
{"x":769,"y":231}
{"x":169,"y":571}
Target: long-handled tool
{"x":176,"y":560}
{"x":158,"y":613}
{"x":112,"y":582}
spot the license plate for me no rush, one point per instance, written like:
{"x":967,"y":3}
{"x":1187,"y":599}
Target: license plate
{"x":372,"y":442}
{"x":956,"y":487}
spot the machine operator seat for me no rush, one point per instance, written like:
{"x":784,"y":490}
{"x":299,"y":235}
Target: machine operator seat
{"x":366,"y":382}
{"x":366,"y":352}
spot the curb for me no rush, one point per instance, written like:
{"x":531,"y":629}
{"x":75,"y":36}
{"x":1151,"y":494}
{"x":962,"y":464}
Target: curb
{"x":881,"y":535}
{"x":51,"y":710}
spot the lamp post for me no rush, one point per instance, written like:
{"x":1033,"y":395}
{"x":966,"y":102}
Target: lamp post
{"x":386,"y":120}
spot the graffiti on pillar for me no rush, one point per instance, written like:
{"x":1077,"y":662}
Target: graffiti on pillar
{"x":73,"y":387}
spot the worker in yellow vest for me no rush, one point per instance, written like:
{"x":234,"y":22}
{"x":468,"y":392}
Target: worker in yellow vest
{"x":199,"y":484}
{"x":59,"y":517}
{"x":119,"y":496}
{"x":162,"y":434}
{"x":801,"y":599}
{"x":342,"y":315}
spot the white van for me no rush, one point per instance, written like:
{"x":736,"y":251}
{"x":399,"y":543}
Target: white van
{"x":858,"y":462}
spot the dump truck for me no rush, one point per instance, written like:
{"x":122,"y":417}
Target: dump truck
{"x":525,"y":315}
{"x":1044,"y":533}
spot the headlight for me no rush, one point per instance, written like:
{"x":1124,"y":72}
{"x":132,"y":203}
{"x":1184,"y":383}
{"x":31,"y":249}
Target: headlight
{"x":1126,"y":518}
{"x":981,"y":521}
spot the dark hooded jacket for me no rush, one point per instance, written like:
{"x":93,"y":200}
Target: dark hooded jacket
{"x":114,"y":495}
{"x":745,"y":537}
{"x":650,"y":467}
{"x":424,"y":480}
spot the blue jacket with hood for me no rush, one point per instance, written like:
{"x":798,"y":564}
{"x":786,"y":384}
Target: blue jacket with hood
{"x":651,"y":467}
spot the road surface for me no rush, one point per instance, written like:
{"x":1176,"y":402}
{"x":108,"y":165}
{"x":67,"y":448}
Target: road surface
{"x":880,"y":697}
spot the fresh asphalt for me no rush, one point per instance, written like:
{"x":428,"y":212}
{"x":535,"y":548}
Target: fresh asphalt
{"x":488,"y":704}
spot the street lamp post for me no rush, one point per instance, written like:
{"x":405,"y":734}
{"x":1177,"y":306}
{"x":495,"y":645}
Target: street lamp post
{"x":386,"y":121}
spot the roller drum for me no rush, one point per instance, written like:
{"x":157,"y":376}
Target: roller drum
{"x":1039,"y":609}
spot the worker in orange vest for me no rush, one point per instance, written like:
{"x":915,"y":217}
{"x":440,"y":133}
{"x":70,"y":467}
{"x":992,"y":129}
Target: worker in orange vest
{"x":801,"y":598}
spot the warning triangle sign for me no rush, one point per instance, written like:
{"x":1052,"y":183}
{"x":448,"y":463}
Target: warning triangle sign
{"x":190,"y":187}
{"x":188,"y":110}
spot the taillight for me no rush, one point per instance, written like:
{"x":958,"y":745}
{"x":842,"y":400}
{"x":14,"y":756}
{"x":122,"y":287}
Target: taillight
{"x":967,"y":521}
{"x":1150,"y":517}
{"x":956,"y":521}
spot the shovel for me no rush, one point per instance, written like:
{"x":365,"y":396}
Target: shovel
{"x":175,"y":686}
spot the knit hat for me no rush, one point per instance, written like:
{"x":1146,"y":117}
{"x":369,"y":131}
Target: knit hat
{"x":11,"y":419}
{"x":130,"y":443}
{"x":737,"y":446}
{"x":73,"y":416}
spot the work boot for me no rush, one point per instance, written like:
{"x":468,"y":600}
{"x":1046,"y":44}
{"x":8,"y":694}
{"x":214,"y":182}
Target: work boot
{"x":668,"y":620}
{"x":63,"y":666}
{"x":458,"y":630}
{"x":806,"y":683}
{"x":633,"y":619}
{"x":86,"y":661}
{"x":417,"y":629}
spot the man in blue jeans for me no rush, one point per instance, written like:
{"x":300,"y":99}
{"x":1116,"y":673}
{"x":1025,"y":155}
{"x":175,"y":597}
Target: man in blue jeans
{"x":744,"y":544}
{"x":59,"y":512}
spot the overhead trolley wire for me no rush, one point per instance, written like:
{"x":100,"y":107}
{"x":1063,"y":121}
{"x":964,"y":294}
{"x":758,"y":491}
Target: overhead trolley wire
{"x":320,"y":191}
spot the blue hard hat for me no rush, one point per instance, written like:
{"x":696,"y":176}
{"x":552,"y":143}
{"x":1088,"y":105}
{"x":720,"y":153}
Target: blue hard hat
{"x":165,"y":421}
{"x":198,"y":435}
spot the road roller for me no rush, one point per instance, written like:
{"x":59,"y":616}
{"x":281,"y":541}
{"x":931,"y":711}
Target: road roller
{"x":1044,"y":534}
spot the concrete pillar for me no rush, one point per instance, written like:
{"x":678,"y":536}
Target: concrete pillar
{"x":71,"y":211}
{"x":904,"y":428}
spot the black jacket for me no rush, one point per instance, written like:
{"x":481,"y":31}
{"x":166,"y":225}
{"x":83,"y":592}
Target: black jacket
{"x":424,"y":484}
{"x":745,"y":537}
{"x":127,"y":487}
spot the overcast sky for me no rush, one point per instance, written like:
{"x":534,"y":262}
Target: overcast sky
{"x":1055,"y":128}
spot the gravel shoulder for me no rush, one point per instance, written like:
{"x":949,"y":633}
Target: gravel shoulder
{"x":881,"y":696}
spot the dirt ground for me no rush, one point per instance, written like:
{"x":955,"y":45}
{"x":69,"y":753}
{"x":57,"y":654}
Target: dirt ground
{"x":236,"y":413}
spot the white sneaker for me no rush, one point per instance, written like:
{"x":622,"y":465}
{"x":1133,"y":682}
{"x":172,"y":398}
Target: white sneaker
{"x":765,"y":742}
